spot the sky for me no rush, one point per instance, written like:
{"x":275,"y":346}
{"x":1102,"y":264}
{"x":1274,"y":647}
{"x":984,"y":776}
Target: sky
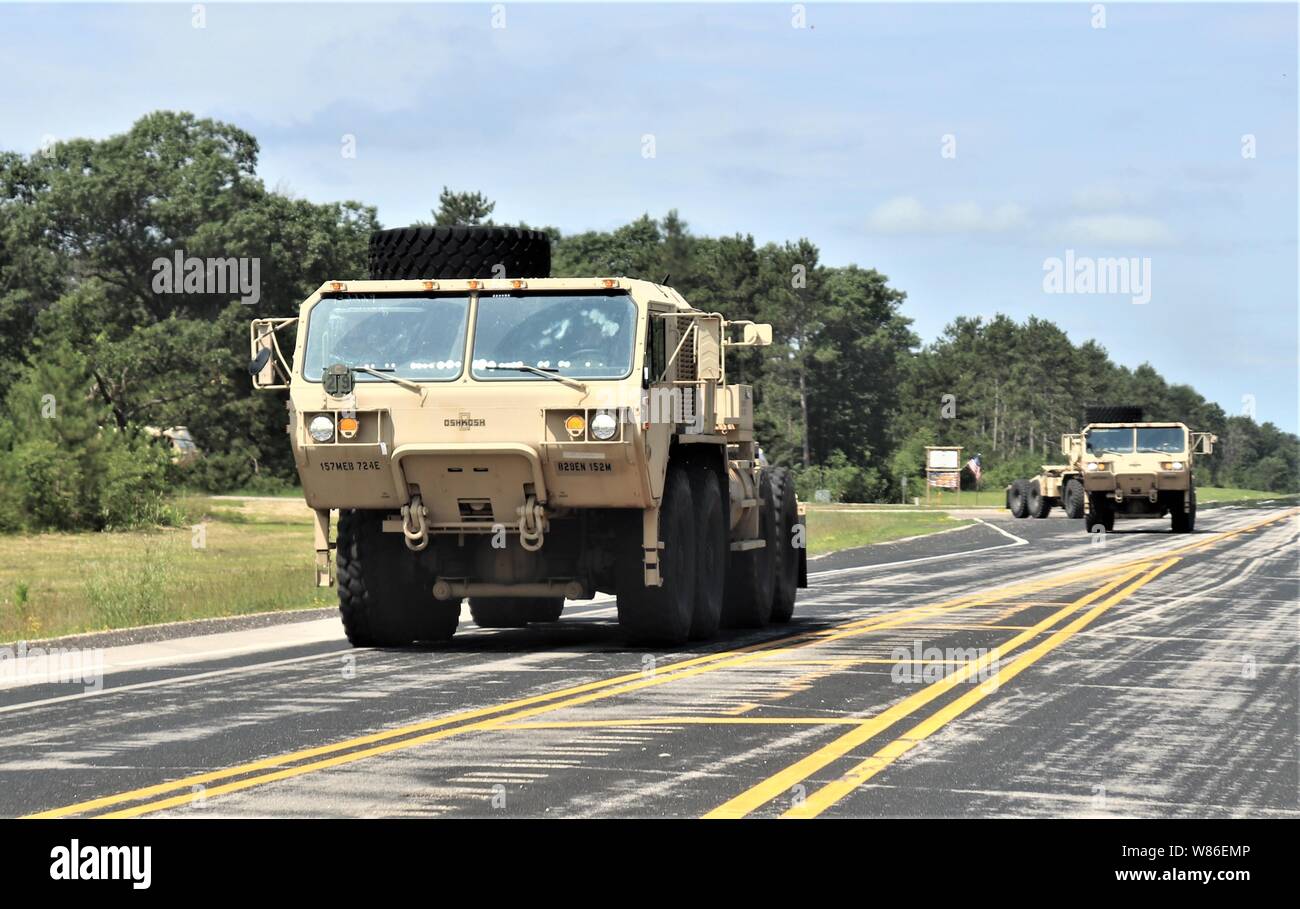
{"x":958,"y":149}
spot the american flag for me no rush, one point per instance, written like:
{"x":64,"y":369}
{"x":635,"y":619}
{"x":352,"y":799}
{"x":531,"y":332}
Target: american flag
{"x":974,"y":465}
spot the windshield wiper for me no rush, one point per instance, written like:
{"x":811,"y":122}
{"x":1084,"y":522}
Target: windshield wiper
{"x":383,"y":374}
{"x":545,"y":373}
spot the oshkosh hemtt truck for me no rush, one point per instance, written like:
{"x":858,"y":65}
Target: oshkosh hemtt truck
{"x":1056,"y":485}
{"x":487,"y":432}
{"x":1119,"y":466}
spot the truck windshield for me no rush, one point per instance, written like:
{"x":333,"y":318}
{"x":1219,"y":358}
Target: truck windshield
{"x":582,"y":336}
{"x":420,"y":338}
{"x":1118,"y":441}
{"x":1161,"y":439}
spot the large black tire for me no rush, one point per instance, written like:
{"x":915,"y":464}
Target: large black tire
{"x":514,"y":612}
{"x":786,"y":585}
{"x":1112,"y":413}
{"x":1072,"y":496}
{"x":1018,"y":499}
{"x":459,"y":252}
{"x":662,"y":615}
{"x":1040,"y":506}
{"x":385,"y":590}
{"x":1184,"y":519}
{"x":1100,"y":514}
{"x":751,"y":574}
{"x":710,"y":553}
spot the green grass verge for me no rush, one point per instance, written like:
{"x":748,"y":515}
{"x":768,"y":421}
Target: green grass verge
{"x":830,"y":530}
{"x":253,"y":557}
{"x":256,"y":556}
{"x":1206,"y":494}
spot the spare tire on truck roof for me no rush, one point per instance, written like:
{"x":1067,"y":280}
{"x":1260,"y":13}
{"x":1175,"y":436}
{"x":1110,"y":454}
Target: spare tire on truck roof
{"x":459,"y":252}
{"x":1111,"y":413}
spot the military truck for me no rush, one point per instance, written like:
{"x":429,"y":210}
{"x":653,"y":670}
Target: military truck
{"x":1057,"y":485}
{"x":490,"y":433}
{"x":1119,"y":465}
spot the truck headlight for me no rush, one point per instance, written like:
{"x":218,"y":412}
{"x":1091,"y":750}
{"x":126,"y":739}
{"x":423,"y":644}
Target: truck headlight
{"x":321,"y":428}
{"x":1172,"y":465}
{"x":1091,"y":465}
{"x":604,"y":426}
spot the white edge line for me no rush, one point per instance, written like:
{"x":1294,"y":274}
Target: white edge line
{"x":1016,"y":541}
{"x":154,"y":683}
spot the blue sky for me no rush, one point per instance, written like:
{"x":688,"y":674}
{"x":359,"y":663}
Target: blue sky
{"x":1117,"y":141}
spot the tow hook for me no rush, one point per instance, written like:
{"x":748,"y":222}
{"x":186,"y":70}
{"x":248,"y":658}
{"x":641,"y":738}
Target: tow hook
{"x":532,"y":524}
{"x":414,"y":527}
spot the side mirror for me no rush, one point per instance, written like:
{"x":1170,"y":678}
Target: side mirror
{"x":266,"y":362}
{"x":1203,"y":442}
{"x":753,"y":334}
{"x":258,"y":363}
{"x":758,"y":334}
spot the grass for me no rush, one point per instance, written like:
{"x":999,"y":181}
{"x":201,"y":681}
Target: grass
{"x":254,"y":557}
{"x":832,"y":529}
{"x":1206,"y":494}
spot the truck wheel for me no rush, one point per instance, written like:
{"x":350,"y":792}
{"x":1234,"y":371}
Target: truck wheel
{"x":1101,"y":514}
{"x":385,"y":590}
{"x":514,"y":612}
{"x":662,"y":615}
{"x":1073,"y":499}
{"x":787,"y":554}
{"x":1018,"y":500}
{"x":751,"y":573}
{"x":710,"y":553}
{"x":1184,"y":519}
{"x":1040,"y":506}
{"x":459,"y":252}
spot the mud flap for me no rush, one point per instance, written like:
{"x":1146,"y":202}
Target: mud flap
{"x":803,"y":552}
{"x":324,"y":564}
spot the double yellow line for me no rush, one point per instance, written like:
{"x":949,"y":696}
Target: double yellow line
{"x":201,"y":786}
{"x":794,"y":775}
{"x":176,"y":793}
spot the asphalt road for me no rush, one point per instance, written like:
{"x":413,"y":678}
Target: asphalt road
{"x":1015,"y":668}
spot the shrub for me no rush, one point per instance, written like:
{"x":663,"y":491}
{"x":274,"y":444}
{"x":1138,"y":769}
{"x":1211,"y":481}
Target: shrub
{"x":46,"y":485}
{"x":132,"y":484}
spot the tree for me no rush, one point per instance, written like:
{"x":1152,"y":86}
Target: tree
{"x":462,"y":209}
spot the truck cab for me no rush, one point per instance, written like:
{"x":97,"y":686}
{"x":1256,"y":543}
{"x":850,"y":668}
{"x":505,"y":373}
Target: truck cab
{"x":520,"y":441}
{"x":1140,"y":470}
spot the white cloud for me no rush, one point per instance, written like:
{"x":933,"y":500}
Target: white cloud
{"x":908,"y":215}
{"x":1117,"y":230}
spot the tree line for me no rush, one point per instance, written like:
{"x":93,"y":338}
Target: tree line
{"x":92,"y":353}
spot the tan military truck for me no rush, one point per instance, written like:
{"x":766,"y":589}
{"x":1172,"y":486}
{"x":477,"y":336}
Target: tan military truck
{"x":1057,"y":485}
{"x":1141,"y":470}
{"x":1118,"y":465}
{"x":487,"y":432}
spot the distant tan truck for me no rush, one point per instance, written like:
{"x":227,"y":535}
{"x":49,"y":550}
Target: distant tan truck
{"x":1119,"y":467}
{"x":491,"y":433}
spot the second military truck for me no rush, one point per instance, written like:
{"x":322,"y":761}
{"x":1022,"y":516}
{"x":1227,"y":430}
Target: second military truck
{"x":490,"y":433}
{"x":1118,"y":465}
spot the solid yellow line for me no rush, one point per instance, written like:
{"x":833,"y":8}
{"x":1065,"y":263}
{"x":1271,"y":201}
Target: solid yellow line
{"x":833,"y":792}
{"x":491,"y":723}
{"x":783,"y":781}
{"x":307,"y":753}
{"x":722,"y":720}
{"x":601,"y":689}
{"x":724,"y":659}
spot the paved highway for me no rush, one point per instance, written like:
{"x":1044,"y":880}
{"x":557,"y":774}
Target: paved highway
{"x":1014,"y":668}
